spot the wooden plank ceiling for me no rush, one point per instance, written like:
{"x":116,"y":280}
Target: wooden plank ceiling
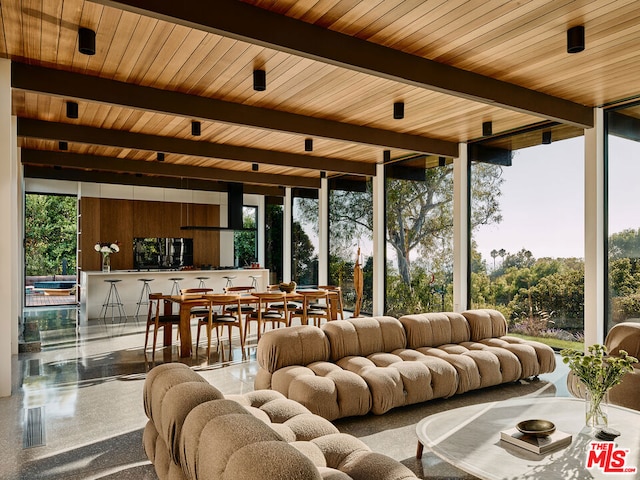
{"x":334,"y":69}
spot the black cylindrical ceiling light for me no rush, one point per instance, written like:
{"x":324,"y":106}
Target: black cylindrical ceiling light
{"x":160,"y":157}
{"x":72,"y":110}
{"x":398,"y":110}
{"x":196,"y":129}
{"x":487,"y":129}
{"x":323,"y":174}
{"x":255,"y":167}
{"x":259,"y":80}
{"x":86,"y":41}
{"x":308,"y":145}
{"x":63,"y":146}
{"x":575,"y":39}
{"x":546,"y":137}
{"x":442,"y":161}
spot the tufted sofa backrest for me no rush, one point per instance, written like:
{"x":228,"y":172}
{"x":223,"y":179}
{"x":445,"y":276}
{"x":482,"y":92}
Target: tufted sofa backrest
{"x":624,"y":336}
{"x":485,"y":323}
{"x":435,"y":329}
{"x":364,"y":336}
{"x":297,"y":345}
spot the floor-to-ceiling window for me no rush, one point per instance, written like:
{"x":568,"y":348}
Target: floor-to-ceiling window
{"x":304,"y":242}
{"x":273,"y":236}
{"x":245,"y":242}
{"x":623,"y":159}
{"x":419,"y":236}
{"x":350,"y":231}
{"x":527,"y":223}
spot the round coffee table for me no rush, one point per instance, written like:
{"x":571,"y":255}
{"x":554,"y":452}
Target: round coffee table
{"x":469,"y":439}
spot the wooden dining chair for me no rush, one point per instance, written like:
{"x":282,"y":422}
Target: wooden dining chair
{"x":157,"y":319}
{"x":245,"y":308}
{"x":335,"y":299}
{"x":315,"y":305}
{"x":220,"y":319}
{"x":197,"y":311}
{"x":266,"y":312}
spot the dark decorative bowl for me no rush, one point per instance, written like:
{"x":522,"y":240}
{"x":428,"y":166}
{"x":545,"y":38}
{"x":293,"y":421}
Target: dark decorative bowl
{"x":288,"y":287}
{"x":536,"y":428}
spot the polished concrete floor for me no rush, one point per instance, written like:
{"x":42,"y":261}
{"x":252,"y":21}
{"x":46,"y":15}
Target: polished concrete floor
{"x":76,"y":410}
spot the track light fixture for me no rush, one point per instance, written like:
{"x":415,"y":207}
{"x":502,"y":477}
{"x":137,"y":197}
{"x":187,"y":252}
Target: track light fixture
{"x":487,"y":129}
{"x":308,"y":145}
{"x":575,"y":39}
{"x":196,"y":129}
{"x":254,"y":167}
{"x":63,"y":146}
{"x":442,"y":161}
{"x":160,"y":157}
{"x":323,"y":174}
{"x":72,"y":110}
{"x":546,"y":137}
{"x":398,"y":110}
{"x":259,"y":80}
{"x":86,"y":41}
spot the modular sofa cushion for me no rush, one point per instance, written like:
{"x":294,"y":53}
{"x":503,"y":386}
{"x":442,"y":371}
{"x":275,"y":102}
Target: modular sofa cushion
{"x":489,"y":327}
{"x":485,"y":323}
{"x":435,"y":329}
{"x":298,"y":345}
{"x":260,"y":434}
{"x":364,"y":336}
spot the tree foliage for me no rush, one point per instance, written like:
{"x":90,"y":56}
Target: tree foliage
{"x":50,"y":234}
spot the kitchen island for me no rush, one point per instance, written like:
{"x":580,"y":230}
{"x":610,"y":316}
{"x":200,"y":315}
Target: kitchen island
{"x":94,"y":286}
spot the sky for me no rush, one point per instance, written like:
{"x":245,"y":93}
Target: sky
{"x":542,"y":201}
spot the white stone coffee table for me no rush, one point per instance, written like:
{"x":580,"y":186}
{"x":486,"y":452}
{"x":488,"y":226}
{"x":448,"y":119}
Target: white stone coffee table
{"x":469,"y":439}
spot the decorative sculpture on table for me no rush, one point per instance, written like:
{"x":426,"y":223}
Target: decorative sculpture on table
{"x":106,"y":249}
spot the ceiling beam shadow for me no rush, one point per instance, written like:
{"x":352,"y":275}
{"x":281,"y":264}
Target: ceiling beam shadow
{"x":73,"y":175}
{"x":142,"y":141}
{"x":123,"y":165}
{"x":241,"y":21}
{"x":112,"y":92}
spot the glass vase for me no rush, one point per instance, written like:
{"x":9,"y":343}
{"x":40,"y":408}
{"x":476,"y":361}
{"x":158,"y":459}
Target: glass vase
{"x":106,"y":263}
{"x":596,"y":409}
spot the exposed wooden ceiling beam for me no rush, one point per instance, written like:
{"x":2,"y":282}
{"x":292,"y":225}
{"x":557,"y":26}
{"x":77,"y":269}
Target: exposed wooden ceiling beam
{"x":73,"y":175}
{"x":75,"y":85}
{"x":248,"y":23}
{"x":141,"y":141}
{"x":123,"y":165}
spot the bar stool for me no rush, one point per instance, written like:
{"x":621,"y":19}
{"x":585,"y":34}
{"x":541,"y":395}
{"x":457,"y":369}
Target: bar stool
{"x":113,"y":301}
{"x":144,"y":294}
{"x":201,"y":283}
{"x":254,"y":280}
{"x":229,"y":282}
{"x":175,"y":288}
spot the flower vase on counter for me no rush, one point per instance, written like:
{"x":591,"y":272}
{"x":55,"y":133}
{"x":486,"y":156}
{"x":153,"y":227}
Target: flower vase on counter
{"x":106,"y":262}
{"x":106,"y":249}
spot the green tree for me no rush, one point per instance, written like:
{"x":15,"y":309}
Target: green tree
{"x":50,"y":234}
{"x":244,"y":241}
{"x":625,"y":244}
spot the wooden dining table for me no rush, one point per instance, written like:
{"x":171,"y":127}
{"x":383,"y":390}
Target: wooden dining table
{"x":188,"y":301}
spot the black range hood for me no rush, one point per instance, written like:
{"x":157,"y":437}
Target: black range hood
{"x":235,"y":193}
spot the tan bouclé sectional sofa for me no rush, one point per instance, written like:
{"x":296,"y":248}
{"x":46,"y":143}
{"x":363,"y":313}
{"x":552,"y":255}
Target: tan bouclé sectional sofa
{"x":195,"y":432}
{"x":356,"y":366}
